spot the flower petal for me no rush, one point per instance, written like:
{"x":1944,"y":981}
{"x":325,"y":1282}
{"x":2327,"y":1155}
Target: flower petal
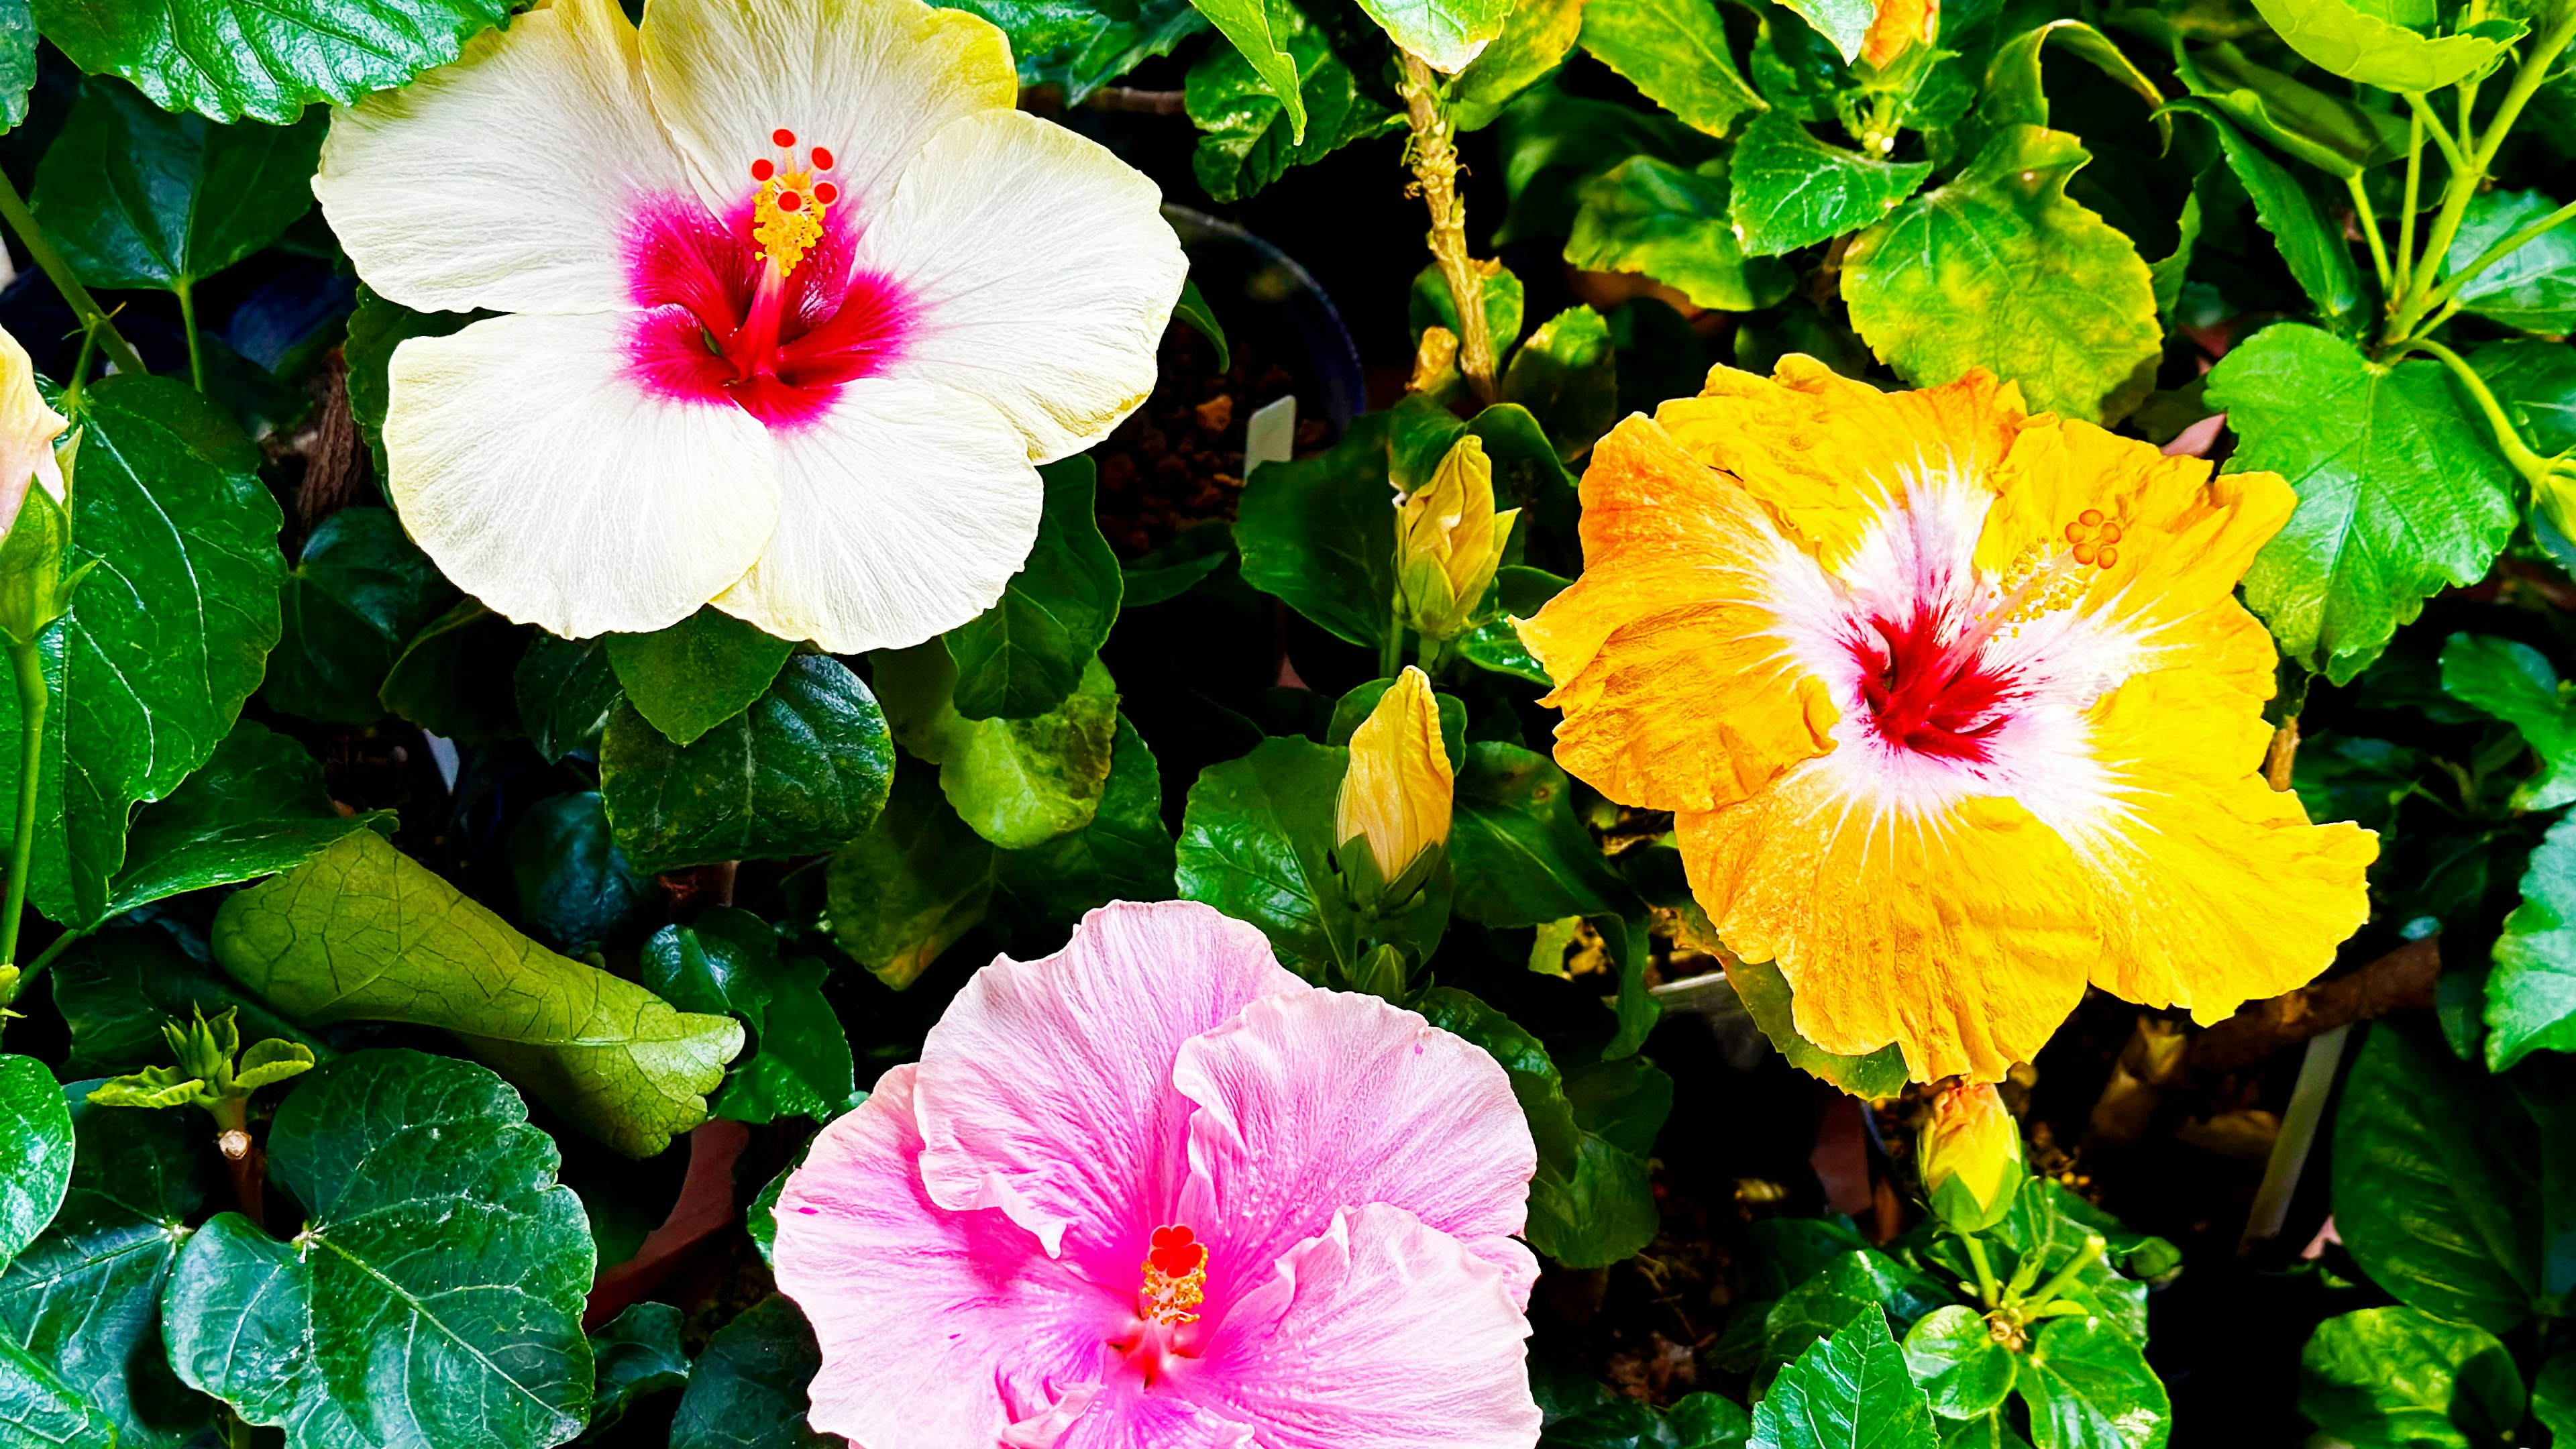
{"x":897,"y":474}
{"x":548,"y":482}
{"x":867,"y":80}
{"x":1323,"y":1100}
{"x":1046,"y":1091}
{"x":1042,"y":270}
{"x":931,"y":1322}
{"x":508,"y":180}
{"x":1125,"y":1416}
{"x":1379,"y":1333}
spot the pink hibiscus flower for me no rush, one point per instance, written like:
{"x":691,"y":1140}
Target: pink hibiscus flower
{"x":1155,"y":1191}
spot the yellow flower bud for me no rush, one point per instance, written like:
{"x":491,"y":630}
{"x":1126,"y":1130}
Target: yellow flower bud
{"x":1898,"y":25}
{"x":1971,"y":1157}
{"x":1397,"y":792}
{"x":27,"y":432}
{"x":1448,"y":542}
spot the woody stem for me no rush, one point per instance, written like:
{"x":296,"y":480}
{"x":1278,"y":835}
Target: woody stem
{"x":1433,"y":155}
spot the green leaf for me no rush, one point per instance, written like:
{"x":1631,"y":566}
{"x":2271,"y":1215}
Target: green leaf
{"x":1536,"y":36}
{"x":1193,"y":310}
{"x":575,"y":888}
{"x":2333,"y":133}
{"x":1676,"y":52}
{"x":365,"y":933}
{"x":376,"y":328}
{"x":1566,"y":375}
{"x":1767,"y":998}
{"x":1018,"y":782}
{"x":566,"y":692}
{"x":2400,"y":491}
{"x":1695,"y":1421}
{"x":115,"y":988}
{"x":1177,"y":567}
{"x":920,"y":878}
{"x":1650,"y":216}
{"x":1124,"y":854}
{"x":2399,"y":1378}
{"x":264,"y":58}
{"x":2433,"y":1189}
{"x":85,"y":1299}
{"x":358,"y":595}
{"x":1791,"y":190}
{"x":1430,"y":305}
{"x":256,"y":808}
{"x":39,"y":1410}
{"x":2359,"y":44}
{"x":1254,"y":841}
{"x":2088,"y":1386}
{"x":1250,"y":138}
{"x":2014,"y":95}
{"x":2535,"y":381}
{"x":687,"y":679}
{"x":455,"y":676}
{"x":727,"y":961}
{"x":1849,"y":1391}
{"x":2360,"y":780}
{"x":803,"y":770}
{"x":1262,"y":34}
{"x":1854,"y":1284}
{"x":2553,"y":1395}
{"x":634,"y":1356}
{"x":36,"y":1142}
{"x":1319,"y":533}
{"x":434,"y":1296}
{"x":1521,"y":856}
{"x":2310,"y":240}
{"x":2532,"y":287}
{"x":748,"y":1391}
{"x":1551,"y":141}
{"x":1963,"y":1370}
{"x":17,"y":61}
{"x":1079,"y":45}
{"x":1998,"y":269}
{"x":1842,"y":23}
{"x":137,"y":197}
{"x":1496,"y":644}
{"x":1446,"y":34}
{"x":2515,"y":683}
{"x":1022,"y":656}
{"x":2531,"y":993}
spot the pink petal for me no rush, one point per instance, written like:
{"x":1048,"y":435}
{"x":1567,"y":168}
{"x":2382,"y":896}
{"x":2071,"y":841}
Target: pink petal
{"x":1380,"y":1334}
{"x":1046,"y":1089}
{"x":934,"y":1324}
{"x":1125,"y":1416}
{"x":1326,"y":1100}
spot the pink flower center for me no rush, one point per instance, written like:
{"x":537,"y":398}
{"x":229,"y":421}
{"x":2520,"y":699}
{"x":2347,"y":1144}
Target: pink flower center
{"x":761,"y":309}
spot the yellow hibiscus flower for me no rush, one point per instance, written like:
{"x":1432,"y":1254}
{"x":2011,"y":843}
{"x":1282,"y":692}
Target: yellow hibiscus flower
{"x":1954,"y":706}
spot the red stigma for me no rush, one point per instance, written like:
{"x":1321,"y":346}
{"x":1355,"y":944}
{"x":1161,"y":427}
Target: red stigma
{"x":761,"y":170}
{"x":783,"y":137}
{"x":822,"y":159}
{"x":789,"y":201}
{"x":1924,"y":700}
{"x":826,"y":193}
{"x":1177,"y":1252}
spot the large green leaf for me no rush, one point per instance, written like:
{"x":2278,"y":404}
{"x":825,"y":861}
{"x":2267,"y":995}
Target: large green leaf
{"x":1124,"y":854}
{"x":1676,"y":52}
{"x":2362,"y":43}
{"x":17,"y":60}
{"x":2532,"y":287}
{"x":1018,"y":782}
{"x":635,"y":1355}
{"x":1110,"y":40}
{"x":356,"y":597}
{"x":365,"y":933}
{"x":2400,"y":1378}
{"x":566,"y":692}
{"x":1766,"y":995}
{"x":802,"y":771}
{"x":1843,"y":23}
{"x":2531,"y":993}
{"x":727,"y":961}
{"x":687,"y":679}
{"x":1446,"y":34}
{"x":36,"y":1142}
{"x":1261,"y":116}
{"x":748,"y":1391}
{"x":263,"y":58}
{"x":575,"y":888}
{"x":137,"y":197}
{"x":1650,"y":216}
{"x":1848,"y":1391}
{"x":434,"y":1296}
{"x":1319,"y":533}
{"x":2434,"y":1184}
{"x":2088,"y":1386}
{"x":2310,"y":240}
{"x":1536,"y":36}
{"x":2536,"y":383}
{"x":455,"y":677}
{"x":1551,"y":141}
{"x":1253,"y":844}
{"x":1963,"y":1370}
{"x":1262,"y":35}
{"x":41,"y":1411}
{"x":1998,"y":269}
{"x":2516,"y":683}
{"x":919,"y":879}
{"x":116,"y":987}
{"x":1790,"y":190}
{"x":2335,"y":134}
{"x":1566,"y":374}
{"x":85,"y":1299}
{"x":256,"y":808}
{"x":2553,"y":1394}
{"x":2400,"y":491}
{"x":1521,"y":856}
{"x":1022,"y":656}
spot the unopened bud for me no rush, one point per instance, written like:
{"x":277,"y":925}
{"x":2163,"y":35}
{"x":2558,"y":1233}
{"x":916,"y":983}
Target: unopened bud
{"x":1971,"y":1157}
{"x":1397,"y":792}
{"x":1898,"y":25}
{"x":1435,"y":361}
{"x":1449,"y":541}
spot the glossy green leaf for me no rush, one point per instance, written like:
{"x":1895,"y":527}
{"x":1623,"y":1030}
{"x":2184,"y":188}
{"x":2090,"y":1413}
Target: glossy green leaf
{"x":2531,"y":993}
{"x":566,"y":692}
{"x":1018,"y":782}
{"x":137,"y":197}
{"x":1536,"y":36}
{"x":454,"y":678}
{"x":360,"y":592}
{"x":1022,"y":656}
{"x":40,"y":1411}
{"x":1854,"y":1284}
{"x":748,"y":1391}
{"x":2333,"y":133}
{"x":364,"y":933}
{"x":2400,"y":1378}
{"x":2532,"y":287}
{"x":727,"y":961}
{"x":2361,"y":780}
{"x":2088,"y":1386}
{"x":263,"y":58}
{"x":2516,"y":683}
{"x":1193,"y":311}
{"x":687,"y":679}
{"x":1842,"y":23}
{"x":1998,"y":269}
{"x":1566,"y":375}
{"x":2433,"y":1186}
{"x":2361,"y":44}
{"x":1446,"y":34}
{"x":1496,"y":644}
{"x":1319,"y":533}
{"x":1963,"y":1370}
{"x":634,"y":1356}
{"x":117,"y":986}
{"x":1179,"y":566}
{"x":2311,"y":241}
{"x":36,"y":1142}
{"x":1551,"y":141}
{"x":85,"y":1299}
{"x":1676,"y":52}
{"x":1789,"y":190}
{"x":1521,"y":856}
{"x":1081,"y":45}
{"x":1254,"y":842}
{"x":1124,"y":854}
{"x":2014,"y":95}
{"x":2400,"y":490}
{"x":1652,"y":217}
{"x":376,"y":328}
{"x":1849,"y":1391}
{"x":1766,"y":995}
{"x":256,"y":808}
{"x":1430,"y":304}
{"x":2535,"y":381}
{"x":1295,"y":104}
{"x":17,"y":60}
{"x":803,"y":770}
{"x":920,"y":878}
{"x":434,"y":1295}
{"x":574,"y":886}
{"x":2553,"y":1394}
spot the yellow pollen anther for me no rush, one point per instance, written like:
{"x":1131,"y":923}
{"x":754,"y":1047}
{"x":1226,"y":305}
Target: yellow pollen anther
{"x":2091,"y":537}
{"x":787,"y":219}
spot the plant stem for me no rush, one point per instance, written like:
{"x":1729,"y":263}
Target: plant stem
{"x":2406,"y":212}
{"x":29,"y":667}
{"x":45,"y":958}
{"x":2433,"y":127}
{"x":2370,"y":232}
{"x":22,"y":221}
{"x":1390,"y":652}
{"x":80,"y":368}
{"x":188,"y":324}
{"x":243,"y":1160}
{"x":1986,"y":1288}
{"x":2048,"y":1291}
{"x":2508,"y":438}
{"x":1433,"y":154}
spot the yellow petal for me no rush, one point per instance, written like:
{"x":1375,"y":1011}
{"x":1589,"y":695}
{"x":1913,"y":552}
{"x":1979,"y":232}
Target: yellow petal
{"x":1398,"y":790}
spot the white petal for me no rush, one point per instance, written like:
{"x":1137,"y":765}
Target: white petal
{"x":1042,"y":272}
{"x":901,"y":513}
{"x":508,"y":179}
{"x":868,"y":80}
{"x":544,"y":480}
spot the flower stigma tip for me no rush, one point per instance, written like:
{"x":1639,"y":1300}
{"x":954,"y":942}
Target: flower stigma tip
{"x":1175,"y":1276}
{"x":787,"y":214}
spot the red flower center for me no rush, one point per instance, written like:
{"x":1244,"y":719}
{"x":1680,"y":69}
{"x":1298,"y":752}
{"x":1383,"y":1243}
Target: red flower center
{"x":1177,"y":1252}
{"x":1927,"y":696}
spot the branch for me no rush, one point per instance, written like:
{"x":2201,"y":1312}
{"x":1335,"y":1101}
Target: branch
{"x":2402,"y":980}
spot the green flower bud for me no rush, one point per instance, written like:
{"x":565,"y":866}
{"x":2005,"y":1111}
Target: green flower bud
{"x":1971,"y":1157}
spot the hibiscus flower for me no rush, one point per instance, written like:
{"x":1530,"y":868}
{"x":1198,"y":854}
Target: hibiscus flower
{"x":1955,"y":709}
{"x":1156,"y":1190}
{"x":796,"y":303}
